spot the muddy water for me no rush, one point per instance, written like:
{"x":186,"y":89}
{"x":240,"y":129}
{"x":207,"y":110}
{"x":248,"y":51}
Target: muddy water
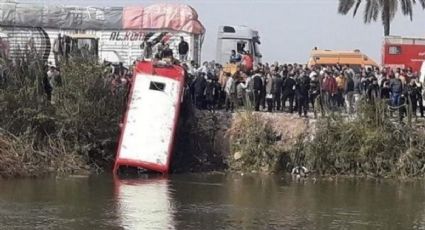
{"x":210,"y":202}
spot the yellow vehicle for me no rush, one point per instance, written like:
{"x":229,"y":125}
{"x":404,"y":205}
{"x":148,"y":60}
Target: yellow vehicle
{"x":231,"y":68}
{"x":333,"y":57}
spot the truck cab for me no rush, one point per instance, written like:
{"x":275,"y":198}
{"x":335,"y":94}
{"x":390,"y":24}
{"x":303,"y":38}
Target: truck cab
{"x":82,"y":45}
{"x":239,"y":38}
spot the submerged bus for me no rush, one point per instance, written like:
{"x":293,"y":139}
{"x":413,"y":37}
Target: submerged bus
{"x":150,"y":122}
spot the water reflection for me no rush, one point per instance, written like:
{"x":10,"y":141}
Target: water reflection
{"x":144,"y":203}
{"x":210,"y":201}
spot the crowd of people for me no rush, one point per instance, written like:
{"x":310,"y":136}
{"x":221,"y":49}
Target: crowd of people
{"x":297,"y":88}
{"x":274,"y":87}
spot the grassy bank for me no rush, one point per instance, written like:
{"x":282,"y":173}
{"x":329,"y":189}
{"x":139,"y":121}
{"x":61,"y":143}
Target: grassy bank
{"x":77,"y":131}
{"x":369,"y":144}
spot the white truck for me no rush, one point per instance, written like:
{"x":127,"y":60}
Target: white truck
{"x":238,"y":38}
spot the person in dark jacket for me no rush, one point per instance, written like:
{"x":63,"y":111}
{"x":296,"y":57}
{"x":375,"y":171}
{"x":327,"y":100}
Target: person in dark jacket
{"x":416,"y":96}
{"x":211,"y":94}
{"x":47,"y":87}
{"x":257,"y":88}
{"x":372,"y":90}
{"x":277,"y":90}
{"x":199,"y":85}
{"x":183,"y":50}
{"x":288,"y":91}
{"x":301,"y":91}
{"x":349,"y":93}
{"x":167,"y":52}
{"x":385,"y":89}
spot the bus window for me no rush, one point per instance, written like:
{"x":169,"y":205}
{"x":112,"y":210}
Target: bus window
{"x":157,"y":86}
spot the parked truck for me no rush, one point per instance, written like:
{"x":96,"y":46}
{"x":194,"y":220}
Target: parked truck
{"x":115,"y":34}
{"x":403,"y":52}
{"x":239,"y":38}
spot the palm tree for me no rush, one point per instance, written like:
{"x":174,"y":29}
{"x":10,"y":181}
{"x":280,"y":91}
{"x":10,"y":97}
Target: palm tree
{"x":387,"y":9}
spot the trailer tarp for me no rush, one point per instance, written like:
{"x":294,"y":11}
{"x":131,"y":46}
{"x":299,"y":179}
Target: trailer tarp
{"x":176,"y":17}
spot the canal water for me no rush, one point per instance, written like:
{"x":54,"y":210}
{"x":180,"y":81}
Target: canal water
{"x":210,"y":201}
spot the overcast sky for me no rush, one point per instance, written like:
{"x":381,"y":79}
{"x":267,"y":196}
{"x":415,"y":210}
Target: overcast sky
{"x":289,"y":29}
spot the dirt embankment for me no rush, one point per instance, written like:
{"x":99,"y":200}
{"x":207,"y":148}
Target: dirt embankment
{"x":211,"y":141}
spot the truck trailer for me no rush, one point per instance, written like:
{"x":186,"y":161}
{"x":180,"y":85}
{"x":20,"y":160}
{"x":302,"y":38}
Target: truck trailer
{"x":113,"y":34}
{"x":403,"y":52}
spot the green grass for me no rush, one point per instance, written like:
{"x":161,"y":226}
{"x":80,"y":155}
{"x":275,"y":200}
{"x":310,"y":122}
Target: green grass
{"x":82,"y":123}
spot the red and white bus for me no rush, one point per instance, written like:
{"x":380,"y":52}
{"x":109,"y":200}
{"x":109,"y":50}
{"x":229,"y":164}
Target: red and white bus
{"x":150,"y":122}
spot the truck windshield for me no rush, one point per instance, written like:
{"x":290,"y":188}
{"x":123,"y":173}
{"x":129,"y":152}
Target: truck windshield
{"x":86,"y":44}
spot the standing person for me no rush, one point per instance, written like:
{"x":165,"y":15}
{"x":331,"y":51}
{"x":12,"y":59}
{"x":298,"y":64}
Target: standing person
{"x":277,"y":89}
{"x":183,"y":49}
{"x":247,"y":61}
{"x":240,"y":92}
{"x":373,"y":89}
{"x":53,"y":77}
{"x":204,"y":68}
{"x":199,"y":85}
{"x":380,"y":76}
{"x":269,"y":92}
{"x":248,"y":86}
{"x":396,"y":89}
{"x":167,"y":52}
{"x":301,"y":92}
{"x":230,"y":90}
{"x":329,"y":90}
{"x":357,"y":80}
{"x":416,"y":96}
{"x":385,"y":89}
{"x":257,"y":83}
{"x":157,"y":50}
{"x":288,"y":90}
{"x":47,"y":87}
{"x":146,"y":46}
{"x":349,"y":93}
{"x":212,"y":92}
{"x":340,"y":82}
{"x":314,"y":89}
{"x":263,"y":89}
